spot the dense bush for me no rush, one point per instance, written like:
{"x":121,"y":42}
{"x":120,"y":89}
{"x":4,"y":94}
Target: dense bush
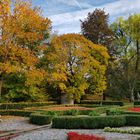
{"x":72,"y":112}
{"x":102,"y":102}
{"x":133,"y":120}
{"x":24,"y":105}
{"x":40,"y":119}
{"x":16,"y":112}
{"x":114,"y":111}
{"x":136,"y":102}
{"x":88,"y":122}
{"x":93,"y":113}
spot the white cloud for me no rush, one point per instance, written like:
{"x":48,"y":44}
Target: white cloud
{"x":69,"y":22}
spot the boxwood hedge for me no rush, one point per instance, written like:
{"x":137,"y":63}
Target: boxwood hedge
{"x":88,"y":122}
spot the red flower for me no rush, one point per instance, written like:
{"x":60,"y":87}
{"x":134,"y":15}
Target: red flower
{"x":134,"y":109}
{"x":76,"y":136}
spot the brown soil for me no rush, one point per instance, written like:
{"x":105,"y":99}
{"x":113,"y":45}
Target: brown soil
{"x":69,"y":108}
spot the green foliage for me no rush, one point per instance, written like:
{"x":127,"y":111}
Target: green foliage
{"x":24,"y":105}
{"x":88,"y":122}
{"x":23,"y":113}
{"x":136,"y":102}
{"x":71,"y":112}
{"x":114,"y":111}
{"x":93,"y":113}
{"x":119,"y":130}
{"x":40,"y":119}
{"x":133,"y":120}
{"x":52,"y":113}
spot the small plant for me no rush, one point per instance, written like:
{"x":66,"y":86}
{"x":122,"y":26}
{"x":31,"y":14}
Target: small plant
{"x":52,"y":113}
{"x":93,"y":113}
{"x":72,"y":112}
{"x":114,"y":112}
{"x":119,"y":130}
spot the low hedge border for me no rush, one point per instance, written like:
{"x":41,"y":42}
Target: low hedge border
{"x":88,"y":122}
{"x":119,"y":130}
{"x":120,"y":103}
{"x":24,"y":105}
{"x":95,"y":122}
{"x":16,"y":112}
{"x":136,"y":103}
{"x":116,"y":111}
{"x":40,"y":119}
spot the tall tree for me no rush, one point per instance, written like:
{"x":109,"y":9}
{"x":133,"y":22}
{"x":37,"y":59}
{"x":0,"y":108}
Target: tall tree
{"x":71,"y":61}
{"x":22,"y":29}
{"x":96,"y":28}
{"x":128,"y":52}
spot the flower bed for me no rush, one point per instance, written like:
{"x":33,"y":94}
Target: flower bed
{"x":137,"y":109}
{"x":76,"y":136}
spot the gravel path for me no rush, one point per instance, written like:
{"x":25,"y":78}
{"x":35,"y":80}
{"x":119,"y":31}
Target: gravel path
{"x":15,"y":123}
{"x":20,"y":123}
{"x":57,"y":134}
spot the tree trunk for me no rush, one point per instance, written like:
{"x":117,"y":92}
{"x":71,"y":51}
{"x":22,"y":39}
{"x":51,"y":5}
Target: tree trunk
{"x":132,"y":95}
{"x":104,"y":96}
{"x":66,"y":99}
{"x":1,"y":82}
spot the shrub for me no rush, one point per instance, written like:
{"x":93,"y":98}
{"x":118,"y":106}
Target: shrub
{"x":52,"y":113}
{"x":119,"y":130}
{"x":88,"y":122}
{"x":71,"y":112}
{"x":93,"y":113}
{"x":136,"y":102}
{"x":76,"y":136}
{"x":16,"y":112}
{"x":114,"y":111}
{"x":24,"y":105}
{"x":40,"y":119}
{"x":133,"y":120}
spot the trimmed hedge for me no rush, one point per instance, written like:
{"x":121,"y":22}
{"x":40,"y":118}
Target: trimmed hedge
{"x":88,"y":122}
{"x":16,"y":112}
{"x":133,"y":120}
{"x":120,"y":112}
{"x":24,"y":105}
{"x":136,"y":102}
{"x":102,"y":102}
{"x":40,"y":119}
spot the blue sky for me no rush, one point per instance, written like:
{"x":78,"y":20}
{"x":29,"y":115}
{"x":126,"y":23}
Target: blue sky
{"x":66,"y":14}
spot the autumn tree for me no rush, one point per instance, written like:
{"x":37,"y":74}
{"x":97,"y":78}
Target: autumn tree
{"x":72,"y":60}
{"x":22,"y":31}
{"x":96,"y":28}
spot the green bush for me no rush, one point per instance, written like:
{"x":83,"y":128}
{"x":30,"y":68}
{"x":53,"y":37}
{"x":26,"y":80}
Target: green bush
{"x":88,"y":122}
{"x":24,"y":105}
{"x":114,"y":111}
{"x":52,"y":113}
{"x":16,"y":112}
{"x":71,"y":112}
{"x":133,"y":120}
{"x":136,"y":102}
{"x":102,"y":102}
{"x":40,"y":119}
{"x":93,"y":113}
